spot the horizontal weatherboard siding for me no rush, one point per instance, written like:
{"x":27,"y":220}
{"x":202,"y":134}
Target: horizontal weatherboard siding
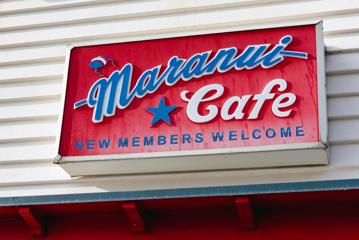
{"x":33,"y":39}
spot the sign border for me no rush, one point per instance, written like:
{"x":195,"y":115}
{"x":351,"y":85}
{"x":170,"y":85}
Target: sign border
{"x":322,"y":106}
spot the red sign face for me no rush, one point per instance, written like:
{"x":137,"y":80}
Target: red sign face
{"x":226,"y":90}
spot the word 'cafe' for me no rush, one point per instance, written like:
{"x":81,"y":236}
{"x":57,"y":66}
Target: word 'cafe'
{"x":282,"y":101}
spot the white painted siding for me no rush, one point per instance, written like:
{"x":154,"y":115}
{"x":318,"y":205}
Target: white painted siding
{"x":33,"y":37}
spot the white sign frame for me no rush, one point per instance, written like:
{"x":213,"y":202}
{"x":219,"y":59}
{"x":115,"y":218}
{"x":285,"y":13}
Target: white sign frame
{"x":315,"y":153}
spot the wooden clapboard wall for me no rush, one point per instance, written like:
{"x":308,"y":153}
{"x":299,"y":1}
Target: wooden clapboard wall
{"x":33,"y":38}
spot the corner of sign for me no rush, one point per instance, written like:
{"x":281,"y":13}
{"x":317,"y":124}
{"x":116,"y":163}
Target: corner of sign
{"x":320,"y":23}
{"x":324,"y":143}
{"x":57,"y":159}
{"x":69,"y":47}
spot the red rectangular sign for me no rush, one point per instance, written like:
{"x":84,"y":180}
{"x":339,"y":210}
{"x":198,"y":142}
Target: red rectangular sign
{"x":226,"y":90}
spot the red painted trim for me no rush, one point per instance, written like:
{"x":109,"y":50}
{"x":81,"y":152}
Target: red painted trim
{"x":33,"y":220}
{"x":293,"y":216}
{"x":245,"y":212}
{"x":134,"y":215}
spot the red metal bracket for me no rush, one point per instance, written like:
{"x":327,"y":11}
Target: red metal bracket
{"x":245,"y":212}
{"x":134,"y":215}
{"x":33,"y":220}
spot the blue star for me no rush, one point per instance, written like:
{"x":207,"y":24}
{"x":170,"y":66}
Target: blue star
{"x":161,"y":112}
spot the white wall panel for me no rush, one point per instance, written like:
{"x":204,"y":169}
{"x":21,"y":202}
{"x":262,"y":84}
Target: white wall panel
{"x":343,"y":85}
{"x":27,"y":130}
{"x":347,"y":42}
{"x":30,"y":90}
{"x":221,"y":17}
{"x":30,"y":71}
{"x":113,"y":10}
{"x":31,"y":54}
{"x":29,"y":110}
{"x":344,"y":131}
{"x":342,"y":63}
{"x":343,"y":107}
{"x":15,"y":6}
{"x":33,"y":39}
{"x":30,"y":173}
{"x":27,"y":151}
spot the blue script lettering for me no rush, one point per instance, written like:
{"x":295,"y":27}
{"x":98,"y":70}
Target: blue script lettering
{"x":107,"y":94}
